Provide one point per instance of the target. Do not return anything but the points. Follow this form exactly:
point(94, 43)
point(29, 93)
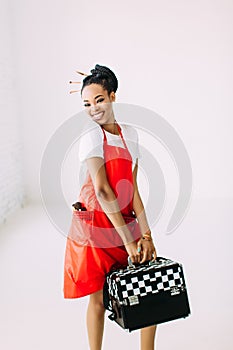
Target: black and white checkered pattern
point(145, 280)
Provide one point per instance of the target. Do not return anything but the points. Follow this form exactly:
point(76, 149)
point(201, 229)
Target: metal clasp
point(130, 264)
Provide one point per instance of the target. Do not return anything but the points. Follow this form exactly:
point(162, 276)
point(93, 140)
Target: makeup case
point(146, 294)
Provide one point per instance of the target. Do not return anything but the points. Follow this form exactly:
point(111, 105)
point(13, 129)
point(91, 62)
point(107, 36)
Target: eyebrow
point(95, 98)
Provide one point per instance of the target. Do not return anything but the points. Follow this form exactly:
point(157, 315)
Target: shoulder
point(91, 143)
point(92, 135)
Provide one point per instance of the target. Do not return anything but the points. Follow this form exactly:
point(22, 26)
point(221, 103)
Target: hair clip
point(86, 75)
point(75, 82)
point(72, 91)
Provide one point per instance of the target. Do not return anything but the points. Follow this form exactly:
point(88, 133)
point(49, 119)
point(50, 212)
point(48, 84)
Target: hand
point(132, 250)
point(147, 250)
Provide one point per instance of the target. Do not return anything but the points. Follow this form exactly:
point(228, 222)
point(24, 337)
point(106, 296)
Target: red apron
point(92, 251)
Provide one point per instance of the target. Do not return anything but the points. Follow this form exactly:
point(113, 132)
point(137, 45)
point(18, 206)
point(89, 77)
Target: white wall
point(174, 57)
point(12, 191)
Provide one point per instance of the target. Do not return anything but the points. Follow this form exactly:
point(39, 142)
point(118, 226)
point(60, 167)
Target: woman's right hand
point(131, 249)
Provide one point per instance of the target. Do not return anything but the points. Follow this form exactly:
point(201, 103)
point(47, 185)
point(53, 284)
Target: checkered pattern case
point(158, 288)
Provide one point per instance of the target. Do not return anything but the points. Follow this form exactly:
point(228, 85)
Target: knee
point(96, 301)
point(98, 306)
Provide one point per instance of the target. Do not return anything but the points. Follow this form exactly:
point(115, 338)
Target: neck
point(111, 127)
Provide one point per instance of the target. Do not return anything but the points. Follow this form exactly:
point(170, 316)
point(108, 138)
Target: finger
point(145, 257)
point(139, 246)
point(135, 258)
point(132, 259)
point(138, 257)
point(154, 255)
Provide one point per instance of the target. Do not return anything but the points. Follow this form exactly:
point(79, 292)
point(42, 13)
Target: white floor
point(35, 316)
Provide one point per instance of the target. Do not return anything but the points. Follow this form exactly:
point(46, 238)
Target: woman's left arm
point(145, 245)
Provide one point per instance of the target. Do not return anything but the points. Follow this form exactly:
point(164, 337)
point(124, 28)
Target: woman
point(111, 191)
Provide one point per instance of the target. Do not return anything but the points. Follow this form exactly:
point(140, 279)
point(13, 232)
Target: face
point(98, 104)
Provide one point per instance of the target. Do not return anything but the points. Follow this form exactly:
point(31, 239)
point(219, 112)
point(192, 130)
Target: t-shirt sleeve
point(137, 147)
point(91, 145)
point(134, 142)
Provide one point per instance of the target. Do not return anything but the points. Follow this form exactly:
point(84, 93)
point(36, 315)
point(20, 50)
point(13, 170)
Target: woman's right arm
point(108, 202)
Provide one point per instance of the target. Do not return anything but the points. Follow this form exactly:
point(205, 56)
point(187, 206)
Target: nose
point(94, 109)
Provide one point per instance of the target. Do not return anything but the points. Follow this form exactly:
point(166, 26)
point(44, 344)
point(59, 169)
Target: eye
point(86, 104)
point(100, 100)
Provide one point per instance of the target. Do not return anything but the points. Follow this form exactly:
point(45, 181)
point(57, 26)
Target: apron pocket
point(82, 226)
point(89, 230)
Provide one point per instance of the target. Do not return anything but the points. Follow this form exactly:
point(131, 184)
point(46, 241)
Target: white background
point(174, 57)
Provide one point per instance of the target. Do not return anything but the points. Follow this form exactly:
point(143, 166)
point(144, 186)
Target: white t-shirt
point(91, 143)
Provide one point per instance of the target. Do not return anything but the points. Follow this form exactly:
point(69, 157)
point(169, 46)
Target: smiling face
point(98, 104)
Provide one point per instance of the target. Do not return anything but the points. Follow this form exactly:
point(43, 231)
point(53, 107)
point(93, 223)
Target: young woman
point(110, 151)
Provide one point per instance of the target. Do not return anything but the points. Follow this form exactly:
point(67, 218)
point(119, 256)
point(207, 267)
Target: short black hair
point(103, 76)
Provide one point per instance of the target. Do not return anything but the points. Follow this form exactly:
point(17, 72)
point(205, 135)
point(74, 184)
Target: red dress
point(90, 254)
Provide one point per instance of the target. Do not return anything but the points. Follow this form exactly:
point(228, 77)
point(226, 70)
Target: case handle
point(130, 264)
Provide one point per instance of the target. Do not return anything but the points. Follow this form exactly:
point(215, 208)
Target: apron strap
point(119, 129)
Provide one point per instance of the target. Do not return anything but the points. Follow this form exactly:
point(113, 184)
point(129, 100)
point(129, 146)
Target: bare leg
point(95, 320)
point(148, 337)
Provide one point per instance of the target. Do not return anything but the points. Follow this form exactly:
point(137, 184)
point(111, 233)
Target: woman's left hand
point(147, 250)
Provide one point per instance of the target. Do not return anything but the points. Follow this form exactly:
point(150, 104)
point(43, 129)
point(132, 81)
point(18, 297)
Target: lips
point(97, 116)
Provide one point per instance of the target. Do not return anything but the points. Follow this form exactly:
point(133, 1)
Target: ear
point(112, 96)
